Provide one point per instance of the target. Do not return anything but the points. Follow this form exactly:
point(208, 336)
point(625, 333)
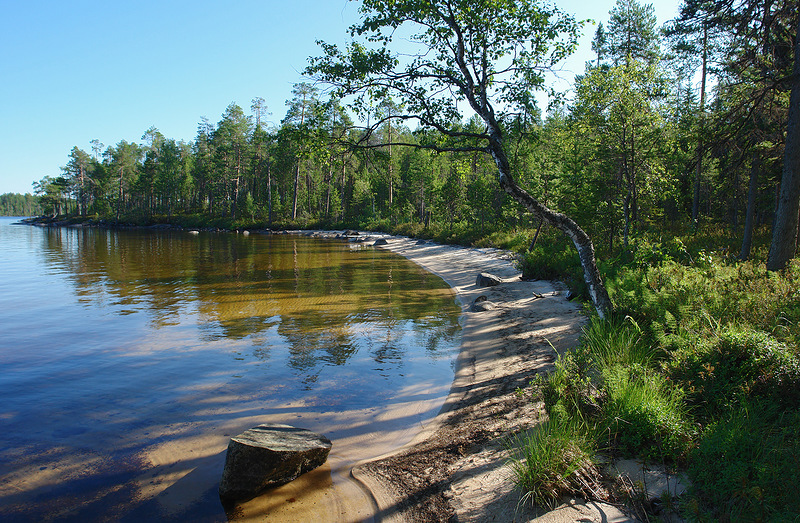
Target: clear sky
point(76, 70)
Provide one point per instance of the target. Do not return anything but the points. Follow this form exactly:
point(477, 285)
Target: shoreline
point(462, 448)
point(454, 468)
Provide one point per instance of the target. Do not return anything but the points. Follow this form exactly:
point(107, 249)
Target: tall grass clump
point(554, 459)
point(607, 393)
point(644, 415)
point(641, 412)
point(616, 341)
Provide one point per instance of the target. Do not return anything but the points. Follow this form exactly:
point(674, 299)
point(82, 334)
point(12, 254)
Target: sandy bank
point(456, 466)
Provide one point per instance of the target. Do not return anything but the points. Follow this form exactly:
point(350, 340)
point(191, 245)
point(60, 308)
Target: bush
point(568, 393)
point(745, 468)
point(736, 365)
point(555, 260)
point(676, 299)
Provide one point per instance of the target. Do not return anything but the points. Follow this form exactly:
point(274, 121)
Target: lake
point(128, 358)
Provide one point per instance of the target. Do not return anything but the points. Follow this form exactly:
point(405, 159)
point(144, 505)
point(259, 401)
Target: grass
point(553, 459)
point(616, 341)
point(644, 416)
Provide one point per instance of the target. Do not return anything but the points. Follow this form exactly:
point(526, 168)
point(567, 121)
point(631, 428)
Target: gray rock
point(380, 241)
point(481, 304)
point(269, 456)
point(655, 481)
point(485, 279)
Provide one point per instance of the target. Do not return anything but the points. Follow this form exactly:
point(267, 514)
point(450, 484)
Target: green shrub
point(410, 229)
point(674, 299)
point(739, 363)
point(555, 260)
point(745, 468)
point(568, 392)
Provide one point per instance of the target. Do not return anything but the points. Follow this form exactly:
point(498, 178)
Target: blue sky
point(76, 70)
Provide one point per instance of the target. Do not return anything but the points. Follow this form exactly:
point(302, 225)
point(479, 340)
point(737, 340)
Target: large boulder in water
point(269, 456)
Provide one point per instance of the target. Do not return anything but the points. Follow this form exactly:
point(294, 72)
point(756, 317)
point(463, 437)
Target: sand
point(456, 468)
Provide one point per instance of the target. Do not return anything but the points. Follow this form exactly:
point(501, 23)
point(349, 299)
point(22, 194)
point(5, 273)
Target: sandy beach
point(456, 468)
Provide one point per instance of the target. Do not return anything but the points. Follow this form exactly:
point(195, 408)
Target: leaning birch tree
point(487, 55)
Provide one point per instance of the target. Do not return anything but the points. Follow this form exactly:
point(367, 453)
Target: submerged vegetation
point(685, 188)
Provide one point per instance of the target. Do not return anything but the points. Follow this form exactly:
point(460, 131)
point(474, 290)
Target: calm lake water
point(128, 358)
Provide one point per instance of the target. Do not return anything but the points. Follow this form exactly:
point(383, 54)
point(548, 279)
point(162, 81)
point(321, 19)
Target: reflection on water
point(128, 358)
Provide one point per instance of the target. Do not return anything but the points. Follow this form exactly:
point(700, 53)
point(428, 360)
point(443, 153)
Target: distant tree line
point(12, 204)
point(680, 125)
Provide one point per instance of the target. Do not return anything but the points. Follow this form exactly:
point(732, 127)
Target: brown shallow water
point(128, 359)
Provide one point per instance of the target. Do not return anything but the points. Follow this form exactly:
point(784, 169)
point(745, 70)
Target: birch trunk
point(581, 240)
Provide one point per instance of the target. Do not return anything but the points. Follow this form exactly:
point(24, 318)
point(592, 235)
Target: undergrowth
point(697, 368)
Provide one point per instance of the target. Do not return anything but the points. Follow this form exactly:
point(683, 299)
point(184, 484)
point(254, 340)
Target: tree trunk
point(784, 232)
point(344, 205)
point(121, 194)
point(391, 175)
point(699, 167)
point(81, 196)
point(269, 194)
point(297, 167)
point(626, 206)
point(329, 183)
point(308, 192)
point(749, 219)
point(296, 183)
point(581, 240)
point(234, 203)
